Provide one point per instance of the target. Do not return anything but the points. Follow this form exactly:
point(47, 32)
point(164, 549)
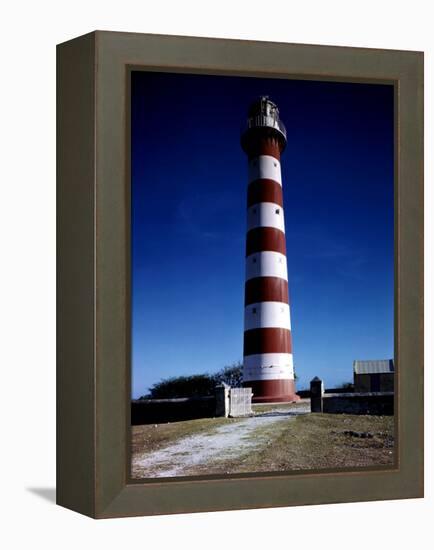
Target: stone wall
point(305, 394)
point(376, 403)
point(226, 402)
point(156, 411)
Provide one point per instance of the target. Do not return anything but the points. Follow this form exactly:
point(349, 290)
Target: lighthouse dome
point(263, 117)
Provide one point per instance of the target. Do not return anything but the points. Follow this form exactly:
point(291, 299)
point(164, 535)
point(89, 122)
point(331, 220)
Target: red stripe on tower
point(268, 362)
point(266, 289)
point(264, 191)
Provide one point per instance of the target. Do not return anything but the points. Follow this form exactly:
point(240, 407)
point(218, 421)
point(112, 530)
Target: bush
point(232, 375)
point(347, 386)
point(196, 385)
point(182, 386)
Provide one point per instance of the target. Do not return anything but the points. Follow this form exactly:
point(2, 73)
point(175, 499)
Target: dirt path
point(199, 452)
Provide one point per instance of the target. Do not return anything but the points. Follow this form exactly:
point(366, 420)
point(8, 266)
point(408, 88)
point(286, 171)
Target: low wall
point(376, 403)
point(305, 394)
point(156, 411)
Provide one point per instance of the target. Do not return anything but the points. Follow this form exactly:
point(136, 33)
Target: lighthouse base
point(272, 391)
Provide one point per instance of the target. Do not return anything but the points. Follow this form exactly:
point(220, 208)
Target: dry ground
point(277, 438)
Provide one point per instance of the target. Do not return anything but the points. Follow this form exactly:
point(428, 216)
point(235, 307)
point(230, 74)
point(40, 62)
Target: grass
point(305, 442)
point(323, 441)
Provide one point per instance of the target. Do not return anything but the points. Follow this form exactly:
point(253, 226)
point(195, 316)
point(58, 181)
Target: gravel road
point(230, 441)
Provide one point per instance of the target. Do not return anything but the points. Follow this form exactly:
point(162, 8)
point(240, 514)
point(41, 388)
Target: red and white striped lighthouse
point(268, 364)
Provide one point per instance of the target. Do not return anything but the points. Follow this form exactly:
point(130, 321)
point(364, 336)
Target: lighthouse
point(268, 363)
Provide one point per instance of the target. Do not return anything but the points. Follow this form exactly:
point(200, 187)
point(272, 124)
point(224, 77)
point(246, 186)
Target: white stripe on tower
point(268, 361)
point(266, 264)
point(267, 314)
point(268, 366)
point(265, 214)
point(264, 167)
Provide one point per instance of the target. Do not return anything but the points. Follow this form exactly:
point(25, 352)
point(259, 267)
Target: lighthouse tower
point(268, 365)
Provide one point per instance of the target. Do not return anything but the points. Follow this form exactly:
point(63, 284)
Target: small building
point(373, 375)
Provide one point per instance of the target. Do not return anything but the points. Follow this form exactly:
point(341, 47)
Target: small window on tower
point(275, 164)
point(253, 310)
point(254, 260)
point(277, 210)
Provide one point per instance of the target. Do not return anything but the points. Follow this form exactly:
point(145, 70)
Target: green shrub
point(196, 385)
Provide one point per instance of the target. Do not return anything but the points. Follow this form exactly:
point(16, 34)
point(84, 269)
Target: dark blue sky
point(189, 179)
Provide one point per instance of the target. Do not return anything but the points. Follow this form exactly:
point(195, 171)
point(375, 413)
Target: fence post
point(222, 400)
point(316, 395)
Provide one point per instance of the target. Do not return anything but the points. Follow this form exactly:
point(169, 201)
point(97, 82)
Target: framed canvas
point(148, 139)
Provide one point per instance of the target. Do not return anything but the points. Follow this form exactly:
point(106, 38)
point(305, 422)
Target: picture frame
point(93, 279)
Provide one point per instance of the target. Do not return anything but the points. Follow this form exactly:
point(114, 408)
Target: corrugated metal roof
point(374, 366)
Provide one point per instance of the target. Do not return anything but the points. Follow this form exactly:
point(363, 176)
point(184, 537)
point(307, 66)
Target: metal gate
point(240, 402)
